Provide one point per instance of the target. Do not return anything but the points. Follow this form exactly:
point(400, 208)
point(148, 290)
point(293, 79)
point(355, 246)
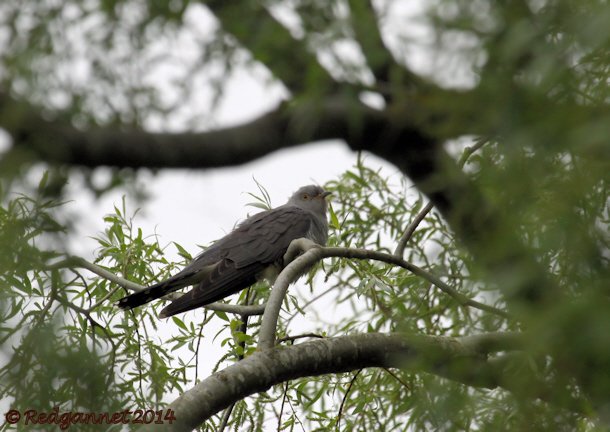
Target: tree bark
point(460, 359)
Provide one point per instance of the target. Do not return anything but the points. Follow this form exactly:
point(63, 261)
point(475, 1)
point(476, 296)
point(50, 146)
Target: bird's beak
point(325, 194)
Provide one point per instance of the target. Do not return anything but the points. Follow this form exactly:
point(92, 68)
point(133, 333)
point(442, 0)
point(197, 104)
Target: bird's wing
point(266, 239)
point(222, 282)
point(254, 245)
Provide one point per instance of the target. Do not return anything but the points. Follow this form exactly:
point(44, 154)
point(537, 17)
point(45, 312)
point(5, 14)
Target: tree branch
point(402, 243)
point(349, 387)
point(315, 253)
point(378, 57)
point(300, 336)
point(368, 35)
point(57, 141)
point(78, 262)
point(271, 43)
point(404, 239)
point(443, 356)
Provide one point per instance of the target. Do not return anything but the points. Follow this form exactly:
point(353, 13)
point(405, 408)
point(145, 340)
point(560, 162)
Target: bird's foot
point(298, 247)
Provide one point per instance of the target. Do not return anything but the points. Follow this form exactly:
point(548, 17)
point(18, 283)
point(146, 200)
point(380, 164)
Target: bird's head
point(312, 198)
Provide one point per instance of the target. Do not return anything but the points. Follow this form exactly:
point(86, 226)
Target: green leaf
point(357, 179)
point(43, 181)
point(183, 252)
point(223, 316)
point(334, 221)
point(179, 323)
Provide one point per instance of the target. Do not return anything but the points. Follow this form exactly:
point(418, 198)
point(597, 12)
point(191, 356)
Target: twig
point(279, 417)
point(226, 415)
point(397, 378)
point(245, 310)
point(243, 328)
point(402, 243)
point(205, 321)
point(47, 306)
point(468, 151)
point(351, 383)
point(74, 261)
point(294, 413)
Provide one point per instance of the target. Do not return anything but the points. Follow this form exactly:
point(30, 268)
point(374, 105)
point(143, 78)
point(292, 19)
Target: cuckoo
point(254, 250)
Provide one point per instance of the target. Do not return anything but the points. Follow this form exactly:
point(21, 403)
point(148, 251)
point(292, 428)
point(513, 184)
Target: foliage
point(533, 82)
point(71, 347)
point(70, 315)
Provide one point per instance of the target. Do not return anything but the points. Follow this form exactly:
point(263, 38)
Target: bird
point(253, 251)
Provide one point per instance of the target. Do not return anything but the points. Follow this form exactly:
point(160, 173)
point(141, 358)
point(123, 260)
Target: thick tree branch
point(378, 57)
point(59, 142)
point(368, 35)
point(56, 141)
point(271, 43)
point(453, 358)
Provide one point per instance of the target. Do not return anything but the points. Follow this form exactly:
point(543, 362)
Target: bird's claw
point(298, 247)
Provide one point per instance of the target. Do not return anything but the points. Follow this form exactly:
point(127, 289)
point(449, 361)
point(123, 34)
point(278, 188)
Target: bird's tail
point(146, 295)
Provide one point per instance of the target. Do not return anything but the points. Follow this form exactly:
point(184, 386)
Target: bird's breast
point(318, 232)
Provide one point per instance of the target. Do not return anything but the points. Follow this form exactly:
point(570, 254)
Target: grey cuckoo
point(251, 252)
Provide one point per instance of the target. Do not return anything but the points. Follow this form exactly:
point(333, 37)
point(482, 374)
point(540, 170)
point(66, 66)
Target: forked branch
point(314, 253)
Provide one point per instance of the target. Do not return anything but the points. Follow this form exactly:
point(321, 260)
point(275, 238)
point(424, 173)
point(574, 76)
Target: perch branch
point(314, 253)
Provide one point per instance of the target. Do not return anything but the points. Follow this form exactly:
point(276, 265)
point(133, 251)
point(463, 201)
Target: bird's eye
point(305, 196)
